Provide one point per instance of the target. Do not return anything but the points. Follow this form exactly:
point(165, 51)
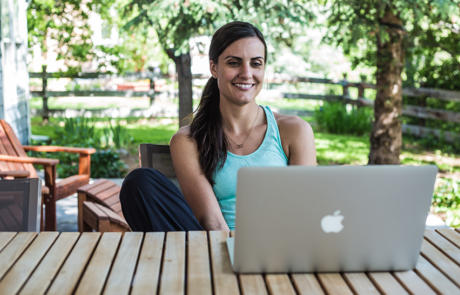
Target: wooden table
point(194, 263)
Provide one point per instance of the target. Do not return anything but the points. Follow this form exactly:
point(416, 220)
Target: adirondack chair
point(13, 157)
point(99, 205)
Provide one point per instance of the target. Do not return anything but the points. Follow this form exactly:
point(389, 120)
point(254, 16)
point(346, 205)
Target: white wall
point(14, 80)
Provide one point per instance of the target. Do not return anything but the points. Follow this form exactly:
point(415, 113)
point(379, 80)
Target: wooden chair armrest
point(29, 160)
point(53, 148)
point(14, 173)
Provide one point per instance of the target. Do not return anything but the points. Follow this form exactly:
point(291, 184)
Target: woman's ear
point(213, 69)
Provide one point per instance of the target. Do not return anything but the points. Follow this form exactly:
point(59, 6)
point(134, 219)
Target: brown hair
point(206, 127)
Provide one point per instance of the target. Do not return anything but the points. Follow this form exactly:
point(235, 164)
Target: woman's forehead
point(249, 47)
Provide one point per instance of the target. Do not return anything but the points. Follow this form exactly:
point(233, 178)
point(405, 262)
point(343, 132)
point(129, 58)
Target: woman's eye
point(233, 63)
point(257, 64)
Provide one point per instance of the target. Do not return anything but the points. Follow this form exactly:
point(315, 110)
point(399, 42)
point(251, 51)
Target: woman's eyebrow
point(239, 58)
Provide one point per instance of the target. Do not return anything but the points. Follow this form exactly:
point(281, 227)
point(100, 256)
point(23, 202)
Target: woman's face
point(240, 70)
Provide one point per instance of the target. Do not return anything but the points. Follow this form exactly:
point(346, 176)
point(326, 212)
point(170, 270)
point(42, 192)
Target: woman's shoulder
point(290, 122)
point(182, 135)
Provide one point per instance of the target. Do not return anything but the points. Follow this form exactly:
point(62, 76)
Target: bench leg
point(81, 226)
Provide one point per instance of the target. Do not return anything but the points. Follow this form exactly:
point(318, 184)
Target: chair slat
point(123, 268)
point(198, 270)
point(69, 275)
point(48, 268)
point(173, 272)
point(224, 279)
point(96, 273)
point(148, 268)
point(23, 268)
point(13, 250)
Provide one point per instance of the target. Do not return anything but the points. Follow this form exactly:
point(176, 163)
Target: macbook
point(330, 218)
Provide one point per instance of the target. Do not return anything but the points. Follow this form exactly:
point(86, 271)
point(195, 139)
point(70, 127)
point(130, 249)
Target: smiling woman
point(229, 131)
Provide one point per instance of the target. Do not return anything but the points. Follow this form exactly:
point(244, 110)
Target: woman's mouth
point(243, 86)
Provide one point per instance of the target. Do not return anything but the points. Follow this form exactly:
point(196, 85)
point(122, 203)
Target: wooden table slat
point(279, 284)
point(445, 264)
point(224, 279)
point(24, 266)
point(5, 237)
point(148, 268)
point(98, 268)
point(307, 284)
point(435, 278)
point(252, 284)
point(172, 280)
point(387, 283)
point(48, 268)
point(334, 283)
point(360, 283)
point(13, 250)
point(123, 268)
point(69, 275)
point(198, 264)
point(447, 247)
point(450, 234)
point(413, 282)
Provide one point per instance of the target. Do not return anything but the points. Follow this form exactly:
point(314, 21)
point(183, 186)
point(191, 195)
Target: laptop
point(330, 218)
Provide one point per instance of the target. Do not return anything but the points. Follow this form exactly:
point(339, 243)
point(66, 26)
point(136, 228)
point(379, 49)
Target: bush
point(446, 199)
point(334, 117)
point(82, 132)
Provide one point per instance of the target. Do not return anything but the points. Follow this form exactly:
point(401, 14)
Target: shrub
point(82, 132)
point(334, 117)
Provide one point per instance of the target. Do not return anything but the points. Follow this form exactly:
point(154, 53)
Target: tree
point(176, 22)
point(66, 23)
point(385, 31)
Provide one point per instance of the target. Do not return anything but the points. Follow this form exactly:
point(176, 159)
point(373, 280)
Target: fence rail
point(420, 112)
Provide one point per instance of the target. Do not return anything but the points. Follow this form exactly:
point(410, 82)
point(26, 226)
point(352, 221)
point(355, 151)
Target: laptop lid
point(331, 218)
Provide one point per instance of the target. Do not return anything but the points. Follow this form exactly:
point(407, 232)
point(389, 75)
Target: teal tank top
point(269, 153)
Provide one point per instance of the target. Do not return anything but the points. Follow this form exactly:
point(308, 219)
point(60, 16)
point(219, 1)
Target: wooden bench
point(106, 194)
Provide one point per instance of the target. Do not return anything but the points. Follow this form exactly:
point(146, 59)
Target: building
point(14, 80)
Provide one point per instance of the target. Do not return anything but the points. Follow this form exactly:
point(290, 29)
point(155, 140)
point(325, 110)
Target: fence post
point(345, 92)
point(360, 93)
point(45, 111)
point(152, 86)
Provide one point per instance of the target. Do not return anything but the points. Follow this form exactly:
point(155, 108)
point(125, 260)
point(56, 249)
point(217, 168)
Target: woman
point(229, 131)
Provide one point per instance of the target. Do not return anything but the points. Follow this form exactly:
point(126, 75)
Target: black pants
point(151, 202)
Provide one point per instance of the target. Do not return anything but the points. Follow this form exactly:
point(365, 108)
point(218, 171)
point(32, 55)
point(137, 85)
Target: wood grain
point(13, 250)
point(198, 264)
point(123, 268)
point(279, 284)
point(360, 283)
point(173, 271)
point(224, 279)
point(307, 284)
point(333, 283)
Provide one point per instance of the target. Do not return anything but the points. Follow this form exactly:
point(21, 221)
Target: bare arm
point(196, 188)
point(297, 139)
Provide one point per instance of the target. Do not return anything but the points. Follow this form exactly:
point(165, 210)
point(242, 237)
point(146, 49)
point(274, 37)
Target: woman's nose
point(245, 71)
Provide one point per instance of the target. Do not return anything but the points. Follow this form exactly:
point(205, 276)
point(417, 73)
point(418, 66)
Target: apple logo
point(332, 223)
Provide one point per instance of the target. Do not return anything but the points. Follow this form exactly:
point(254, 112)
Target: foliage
point(336, 117)
point(446, 199)
point(82, 132)
point(63, 26)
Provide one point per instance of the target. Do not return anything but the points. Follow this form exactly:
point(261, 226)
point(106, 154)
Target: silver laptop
point(331, 218)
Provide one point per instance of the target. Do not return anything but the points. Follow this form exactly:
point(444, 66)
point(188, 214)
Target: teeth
point(244, 86)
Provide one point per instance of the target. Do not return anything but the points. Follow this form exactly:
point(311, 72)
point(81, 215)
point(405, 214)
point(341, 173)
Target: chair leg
point(81, 199)
point(50, 215)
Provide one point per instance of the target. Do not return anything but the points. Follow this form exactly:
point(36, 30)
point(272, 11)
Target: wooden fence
point(408, 110)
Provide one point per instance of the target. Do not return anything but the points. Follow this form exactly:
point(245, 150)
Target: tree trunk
point(386, 136)
point(184, 76)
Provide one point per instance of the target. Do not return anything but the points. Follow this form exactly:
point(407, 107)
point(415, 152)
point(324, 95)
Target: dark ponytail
point(206, 127)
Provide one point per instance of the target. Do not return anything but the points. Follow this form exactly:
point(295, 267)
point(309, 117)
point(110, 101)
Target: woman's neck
point(239, 119)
